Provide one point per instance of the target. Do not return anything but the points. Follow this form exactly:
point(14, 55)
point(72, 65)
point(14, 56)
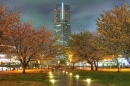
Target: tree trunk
point(118, 66)
point(24, 67)
point(24, 70)
point(92, 66)
point(73, 66)
point(96, 65)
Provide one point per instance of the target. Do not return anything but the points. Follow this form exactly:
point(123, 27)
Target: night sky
point(84, 13)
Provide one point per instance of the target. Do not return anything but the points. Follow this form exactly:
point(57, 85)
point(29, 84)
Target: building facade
point(62, 26)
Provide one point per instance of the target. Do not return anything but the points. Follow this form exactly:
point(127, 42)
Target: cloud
point(83, 12)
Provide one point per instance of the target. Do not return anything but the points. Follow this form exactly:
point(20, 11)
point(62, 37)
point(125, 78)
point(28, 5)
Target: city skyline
point(83, 12)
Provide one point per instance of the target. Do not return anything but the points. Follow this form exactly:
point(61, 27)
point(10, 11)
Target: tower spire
point(62, 10)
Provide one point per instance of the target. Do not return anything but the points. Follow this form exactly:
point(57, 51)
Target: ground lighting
point(66, 72)
point(70, 73)
point(88, 80)
point(77, 76)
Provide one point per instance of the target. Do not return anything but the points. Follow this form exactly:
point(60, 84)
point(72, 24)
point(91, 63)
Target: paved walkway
point(65, 79)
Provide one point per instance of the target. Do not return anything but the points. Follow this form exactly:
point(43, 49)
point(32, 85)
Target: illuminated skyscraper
point(62, 23)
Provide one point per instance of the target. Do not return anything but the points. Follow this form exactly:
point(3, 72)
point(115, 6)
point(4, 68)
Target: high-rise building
point(62, 23)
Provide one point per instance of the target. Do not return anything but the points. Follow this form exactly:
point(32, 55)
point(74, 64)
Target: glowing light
point(88, 80)
point(70, 57)
point(67, 63)
point(63, 71)
point(70, 73)
point(58, 62)
point(77, 76)
point(52, 80)
point(66, 72)
point(2, 55)
point(50, 73)
point(51, 76)
point(62, 10)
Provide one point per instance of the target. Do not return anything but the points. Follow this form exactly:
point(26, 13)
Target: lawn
point(29, 79)
point(41, 78)
point(106, 78)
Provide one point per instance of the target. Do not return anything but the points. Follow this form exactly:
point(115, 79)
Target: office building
point(62, 23)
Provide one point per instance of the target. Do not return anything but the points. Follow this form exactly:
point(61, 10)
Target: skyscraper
point(62, 23)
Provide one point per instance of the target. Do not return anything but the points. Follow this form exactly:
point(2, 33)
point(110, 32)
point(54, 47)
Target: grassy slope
point(107, 78)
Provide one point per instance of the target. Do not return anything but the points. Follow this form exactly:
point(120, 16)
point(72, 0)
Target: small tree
point(81, 47)
point(72, 57)
point(100, 51)
point(88, 46)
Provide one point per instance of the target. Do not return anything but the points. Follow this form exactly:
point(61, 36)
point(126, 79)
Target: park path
point(65, 79)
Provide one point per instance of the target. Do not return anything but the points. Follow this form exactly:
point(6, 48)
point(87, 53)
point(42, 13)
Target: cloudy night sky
point(84, 13)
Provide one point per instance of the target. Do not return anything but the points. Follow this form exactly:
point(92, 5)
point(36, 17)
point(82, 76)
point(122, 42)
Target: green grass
point(29, 79)
point(106, 78)
point(41, 79)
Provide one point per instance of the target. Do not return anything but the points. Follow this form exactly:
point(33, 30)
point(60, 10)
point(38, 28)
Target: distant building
point(62, 23)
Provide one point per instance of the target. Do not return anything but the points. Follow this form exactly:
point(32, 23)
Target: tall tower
point(62, 23)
